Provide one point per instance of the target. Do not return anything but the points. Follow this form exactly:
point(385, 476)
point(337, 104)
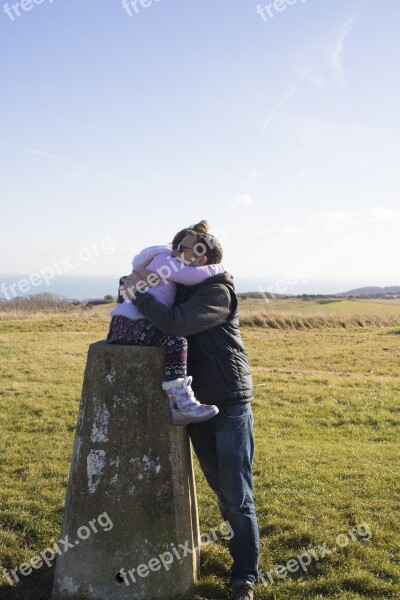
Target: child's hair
point(213, 249)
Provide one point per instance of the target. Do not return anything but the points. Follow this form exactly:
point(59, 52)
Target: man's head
point(196, 246)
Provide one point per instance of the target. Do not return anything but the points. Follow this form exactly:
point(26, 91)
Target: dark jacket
point(207, 315)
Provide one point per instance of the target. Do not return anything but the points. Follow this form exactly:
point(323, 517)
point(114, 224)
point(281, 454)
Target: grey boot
point(183, 405)
point(242, 590)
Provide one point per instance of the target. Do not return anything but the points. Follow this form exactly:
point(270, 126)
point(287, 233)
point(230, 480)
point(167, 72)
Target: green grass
point(327, 306)
point(328, 313)
point(327, 420)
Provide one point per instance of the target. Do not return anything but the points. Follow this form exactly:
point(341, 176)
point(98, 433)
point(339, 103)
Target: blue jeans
point(224, 446)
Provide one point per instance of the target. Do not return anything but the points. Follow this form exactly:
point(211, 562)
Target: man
point(206, 314)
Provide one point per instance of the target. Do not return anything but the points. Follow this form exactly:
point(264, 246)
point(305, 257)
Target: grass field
point(326, 470)
point(327, 306)
point(327, 313)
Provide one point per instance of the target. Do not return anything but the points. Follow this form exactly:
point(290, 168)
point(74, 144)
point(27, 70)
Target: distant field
point(315, 314)
point(342, 307)
point(291, 306)
point(327, 425)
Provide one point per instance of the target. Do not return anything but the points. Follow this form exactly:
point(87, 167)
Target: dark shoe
point(120, 297)
point(242, 590)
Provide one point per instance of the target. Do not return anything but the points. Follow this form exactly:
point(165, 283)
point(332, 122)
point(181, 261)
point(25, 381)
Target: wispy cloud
point(78, 171)
point(244, 200)
point(336, 55)
point(87, 126)
point(372, 216)
point(306, 74)
point(226, 176)
point(75, 122)
point(250, 177)
point(166, 179)
point(306, 172)
point(309, 73)
point(279, 232)
point(315, 126)
point(354, 243)
point(123, 180)
point(37, 152)
point(278, 107)
point(316, 226)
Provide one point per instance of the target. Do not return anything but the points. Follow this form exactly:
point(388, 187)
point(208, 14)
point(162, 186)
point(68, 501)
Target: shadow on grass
point(214, 575)
point(213, 584)
point(207, 590)
point(37, 586)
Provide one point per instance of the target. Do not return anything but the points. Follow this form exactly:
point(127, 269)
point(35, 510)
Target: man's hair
point(209, 246)
point(200, 227)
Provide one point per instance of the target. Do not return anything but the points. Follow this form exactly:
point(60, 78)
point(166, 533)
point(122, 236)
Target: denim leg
point(235, 449)
point(202, 436)
point(224, 446)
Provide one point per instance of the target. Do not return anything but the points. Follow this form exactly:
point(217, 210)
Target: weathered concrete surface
point(134, 468)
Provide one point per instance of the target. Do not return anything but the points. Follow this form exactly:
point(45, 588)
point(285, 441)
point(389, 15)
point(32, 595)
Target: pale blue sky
point(283, 133)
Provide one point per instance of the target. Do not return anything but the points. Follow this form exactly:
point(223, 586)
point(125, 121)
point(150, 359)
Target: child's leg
point(183, 405)
point(175, 349)
point(120, 330)
point(143, 333)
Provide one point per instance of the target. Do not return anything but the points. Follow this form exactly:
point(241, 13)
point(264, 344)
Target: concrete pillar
point(132, 472)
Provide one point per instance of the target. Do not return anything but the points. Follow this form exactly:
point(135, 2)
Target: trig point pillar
point(130, 526)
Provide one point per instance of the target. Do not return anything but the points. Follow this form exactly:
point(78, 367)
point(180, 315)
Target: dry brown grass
point(316, 321)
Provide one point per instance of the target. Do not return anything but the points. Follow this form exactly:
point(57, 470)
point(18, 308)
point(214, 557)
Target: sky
point(277, 122)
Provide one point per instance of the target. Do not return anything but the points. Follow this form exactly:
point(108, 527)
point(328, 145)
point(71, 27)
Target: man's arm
point(206, 309)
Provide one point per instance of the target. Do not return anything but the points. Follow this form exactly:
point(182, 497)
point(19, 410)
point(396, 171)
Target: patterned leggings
point(143, 333)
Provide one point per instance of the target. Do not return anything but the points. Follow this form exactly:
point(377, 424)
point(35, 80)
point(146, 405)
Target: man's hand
point(139, 280)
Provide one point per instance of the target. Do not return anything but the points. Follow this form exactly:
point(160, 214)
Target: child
point(128, 326)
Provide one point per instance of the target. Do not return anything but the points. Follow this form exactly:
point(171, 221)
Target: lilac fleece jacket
point(171, 272)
